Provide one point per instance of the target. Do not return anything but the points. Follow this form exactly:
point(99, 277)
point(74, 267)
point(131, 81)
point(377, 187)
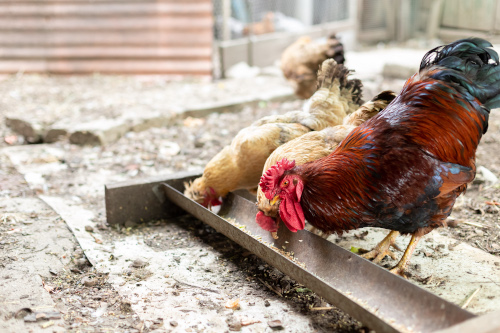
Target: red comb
point(271, 177)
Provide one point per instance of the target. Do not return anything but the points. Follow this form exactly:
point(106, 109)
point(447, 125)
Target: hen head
point(205, 196)
point(281, 185)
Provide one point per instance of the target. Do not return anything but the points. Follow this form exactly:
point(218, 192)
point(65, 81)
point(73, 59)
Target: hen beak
point(275, 199)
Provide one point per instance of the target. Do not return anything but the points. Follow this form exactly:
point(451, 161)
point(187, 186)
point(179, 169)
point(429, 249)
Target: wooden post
point(304, 11)
point(226, 14)
point(434, 19)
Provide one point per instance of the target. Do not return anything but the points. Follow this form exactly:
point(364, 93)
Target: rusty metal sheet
point(56, 33)
point(381, 300)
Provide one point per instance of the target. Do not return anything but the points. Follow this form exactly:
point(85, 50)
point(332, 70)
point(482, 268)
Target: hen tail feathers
point(335, 49)
point(331, 70)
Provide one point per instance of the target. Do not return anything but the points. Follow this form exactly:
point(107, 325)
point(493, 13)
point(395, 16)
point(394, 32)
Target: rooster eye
point(285, 183)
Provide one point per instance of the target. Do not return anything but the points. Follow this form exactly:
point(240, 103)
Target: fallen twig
point(194, 286)
point(469, 298)
point(492, 281)
point(270, 287)
point(321, 308)
point(46, 246)
point(474, 224)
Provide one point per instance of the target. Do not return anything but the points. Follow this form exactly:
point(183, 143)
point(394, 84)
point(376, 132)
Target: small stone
point(102, 226)
point(138, 263)
point(89, 282)
point(233, 323)
point(54, 134)
point(82, 262)
point(266, 303)
point(30, 130)
point(479, 232)
point(78, 253)
point(497, 263)
point(479, 211)
point(125, 306)
point(173, 323)
point(177, 259)
point(453, 223)
point(89, 228)
point(233, 304)
point(275, 324)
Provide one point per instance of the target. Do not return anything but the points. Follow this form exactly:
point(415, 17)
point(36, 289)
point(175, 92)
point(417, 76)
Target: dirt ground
point(88, 301)
point(85, 299)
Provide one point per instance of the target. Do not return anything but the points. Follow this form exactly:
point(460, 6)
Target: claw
point(382, 249)
point(399, 271)
point(377, 255)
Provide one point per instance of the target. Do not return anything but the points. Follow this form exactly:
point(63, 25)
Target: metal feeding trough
point(379, 299)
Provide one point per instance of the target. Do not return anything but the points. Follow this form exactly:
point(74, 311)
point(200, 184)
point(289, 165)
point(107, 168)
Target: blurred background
point(96, 92)
point(207, 37)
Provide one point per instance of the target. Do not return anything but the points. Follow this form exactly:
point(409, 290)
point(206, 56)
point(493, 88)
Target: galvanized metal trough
point(381, 300)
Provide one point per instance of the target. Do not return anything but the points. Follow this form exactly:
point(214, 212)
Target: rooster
point(404, 168)
point(312, 146)
point(301, 60)
point(239, 165)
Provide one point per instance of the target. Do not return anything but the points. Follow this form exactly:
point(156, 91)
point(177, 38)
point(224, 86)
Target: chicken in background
point(403, 169)
point(301, 60)
point(265, 26)
point(312, 146)
point(239, 165)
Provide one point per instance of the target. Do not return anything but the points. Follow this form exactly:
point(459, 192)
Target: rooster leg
point(401, 266)
point(382, 248)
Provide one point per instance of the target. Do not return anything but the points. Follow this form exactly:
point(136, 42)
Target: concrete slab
point(24, 265)
point(134, 105)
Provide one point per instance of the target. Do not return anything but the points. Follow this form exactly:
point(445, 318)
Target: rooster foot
point(399, 271)
point(382, 249)
point(377, 255)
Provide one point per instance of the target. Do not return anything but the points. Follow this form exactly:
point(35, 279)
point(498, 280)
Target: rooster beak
point(275, 199)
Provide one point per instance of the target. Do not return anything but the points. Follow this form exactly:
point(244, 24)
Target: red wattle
point(292, 215)
point(266, 222)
